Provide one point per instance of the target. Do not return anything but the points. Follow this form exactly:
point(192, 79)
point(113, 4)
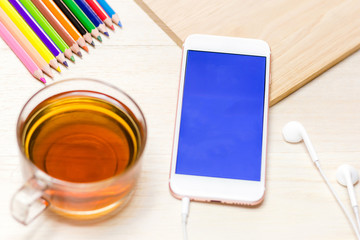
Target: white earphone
point(295, 132)
point(347, 176)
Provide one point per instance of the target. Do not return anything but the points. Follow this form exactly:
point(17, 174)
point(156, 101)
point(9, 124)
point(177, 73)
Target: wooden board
point(306, 37)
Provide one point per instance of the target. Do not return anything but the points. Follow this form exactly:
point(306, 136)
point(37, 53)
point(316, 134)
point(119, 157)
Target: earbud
point(347, 176)
point(294, 132)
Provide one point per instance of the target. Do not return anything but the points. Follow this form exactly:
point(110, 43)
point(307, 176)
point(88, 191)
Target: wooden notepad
point(306, 37)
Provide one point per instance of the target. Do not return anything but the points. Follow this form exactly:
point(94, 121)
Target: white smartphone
point(220, 140)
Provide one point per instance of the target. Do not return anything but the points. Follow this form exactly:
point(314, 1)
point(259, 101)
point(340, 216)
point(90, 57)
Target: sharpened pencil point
point(58, 69)
point(66, 64)
point(79, 54)
point(46, 69)
point(92, 43)
point(72, 58)
point(43, 80)
point(112, 27)
point(86, 48)
point(119, 23)
point(107, 34)
point(99, 38)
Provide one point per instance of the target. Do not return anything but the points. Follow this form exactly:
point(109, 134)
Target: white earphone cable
point(184, 215)
point(338, 200)
point(356, 212)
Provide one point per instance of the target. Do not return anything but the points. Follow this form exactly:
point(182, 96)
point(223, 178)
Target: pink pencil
point(21, 54)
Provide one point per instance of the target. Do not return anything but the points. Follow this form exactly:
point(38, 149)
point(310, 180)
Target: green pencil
point(46, 26)
point(81, 16)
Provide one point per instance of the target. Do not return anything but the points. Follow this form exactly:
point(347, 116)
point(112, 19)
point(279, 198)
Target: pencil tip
point(58, 69)
point(47, 71)
point(107, 34)
point(79, 54)
point(66, 64)
point(86, 48)
point(92, 43)
point(72, 58)
point(119, 23)
point(43, 79)
point(99, 38)
point(112, 27)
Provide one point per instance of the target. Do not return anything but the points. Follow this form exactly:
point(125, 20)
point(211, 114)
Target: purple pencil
point(39, 31)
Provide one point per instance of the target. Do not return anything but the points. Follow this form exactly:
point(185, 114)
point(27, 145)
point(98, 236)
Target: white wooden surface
point(144, 62)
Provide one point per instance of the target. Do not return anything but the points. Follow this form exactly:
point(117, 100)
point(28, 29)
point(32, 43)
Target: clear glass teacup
point(81, 143)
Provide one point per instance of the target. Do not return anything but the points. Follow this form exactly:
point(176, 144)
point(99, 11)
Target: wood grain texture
point(306, 37)
point(144, 62)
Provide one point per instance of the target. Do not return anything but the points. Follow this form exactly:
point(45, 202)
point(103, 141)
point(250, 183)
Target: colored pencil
point(21, 53)
point(113, 15)
point(57, 26)
point(80, 15)
point(92, 16)
point(48, 28)
point(25, 44)
point(29, 34)
point(101, 13)
point(70, 16)
point(65, 22)
point(39, 31)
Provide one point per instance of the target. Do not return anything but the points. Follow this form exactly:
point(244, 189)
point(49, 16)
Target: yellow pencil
point(29, 34)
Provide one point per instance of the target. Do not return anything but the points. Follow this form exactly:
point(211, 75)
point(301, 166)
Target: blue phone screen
point(222, 116)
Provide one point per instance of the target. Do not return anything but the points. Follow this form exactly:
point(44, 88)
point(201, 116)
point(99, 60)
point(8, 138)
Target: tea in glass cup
point(81, 143)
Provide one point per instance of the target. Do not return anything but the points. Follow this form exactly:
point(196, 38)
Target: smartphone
point(220, 140)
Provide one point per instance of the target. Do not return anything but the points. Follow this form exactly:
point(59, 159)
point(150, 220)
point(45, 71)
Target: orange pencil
point(65, 22)
point(57, 26)
point(25, 43)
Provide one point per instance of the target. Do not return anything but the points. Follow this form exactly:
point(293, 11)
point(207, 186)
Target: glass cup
point(81, 143)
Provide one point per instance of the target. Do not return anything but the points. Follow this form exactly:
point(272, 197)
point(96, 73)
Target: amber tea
point(84, 137)
point(81, 143)
point(81, 137)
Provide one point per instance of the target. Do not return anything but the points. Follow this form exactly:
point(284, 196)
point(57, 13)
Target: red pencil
point(101, 13)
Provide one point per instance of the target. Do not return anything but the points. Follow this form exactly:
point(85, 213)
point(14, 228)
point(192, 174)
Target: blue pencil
point(39, 31)
point(114, 17)
point(92, 16)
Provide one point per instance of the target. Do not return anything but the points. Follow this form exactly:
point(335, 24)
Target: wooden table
point(144, 62)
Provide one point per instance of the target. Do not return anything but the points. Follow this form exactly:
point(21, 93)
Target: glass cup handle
point(27, 203)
